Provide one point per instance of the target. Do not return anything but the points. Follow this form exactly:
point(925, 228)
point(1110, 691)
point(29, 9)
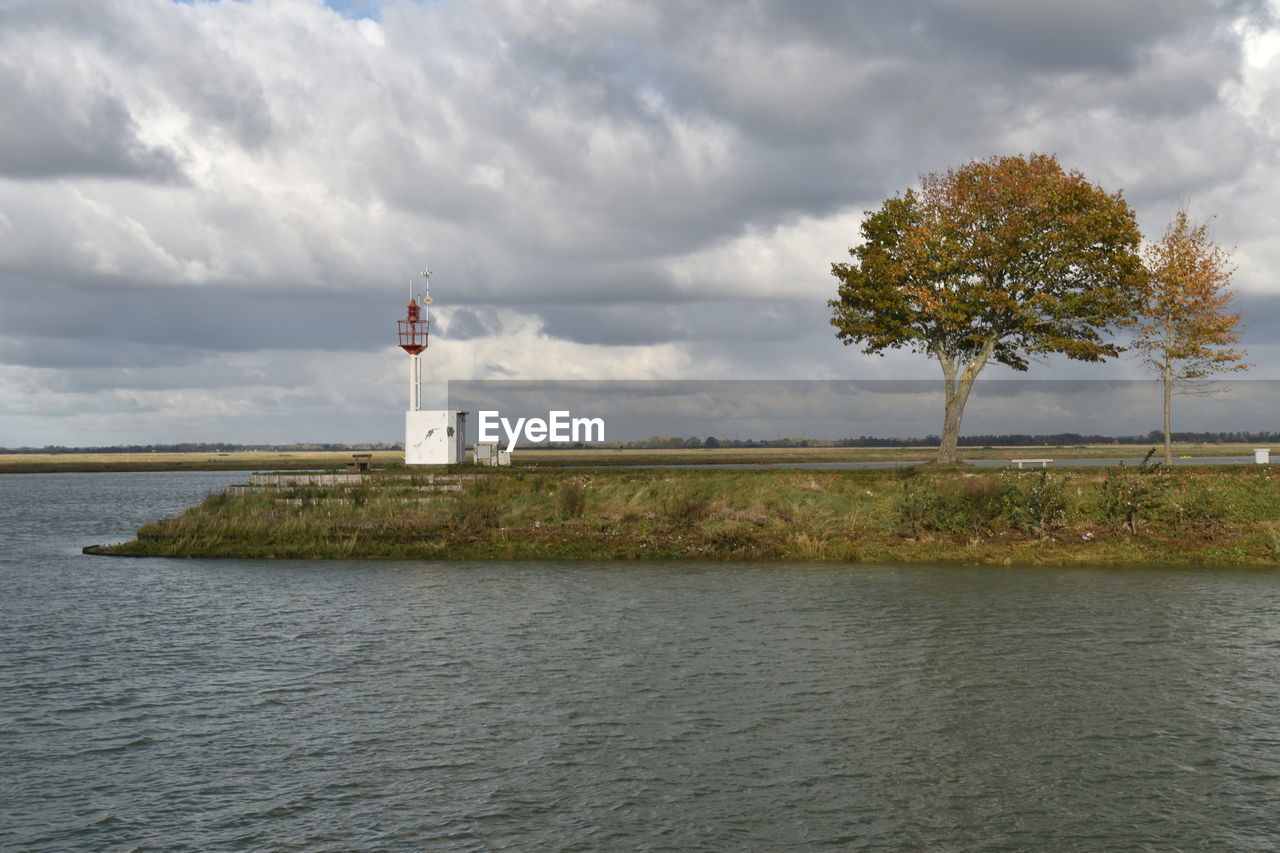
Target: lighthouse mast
point(413, 331)
point(432, 437)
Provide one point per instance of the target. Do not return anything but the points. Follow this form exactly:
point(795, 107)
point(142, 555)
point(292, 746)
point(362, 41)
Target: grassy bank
point(1190, 516)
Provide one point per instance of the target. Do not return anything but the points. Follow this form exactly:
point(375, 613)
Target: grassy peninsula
point(1204, 515)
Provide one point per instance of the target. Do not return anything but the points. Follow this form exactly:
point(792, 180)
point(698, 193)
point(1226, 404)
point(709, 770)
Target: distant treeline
point(1070, 438)
point(667, 442)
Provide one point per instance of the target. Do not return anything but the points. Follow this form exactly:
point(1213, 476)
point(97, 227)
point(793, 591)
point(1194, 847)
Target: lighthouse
point(430, 437)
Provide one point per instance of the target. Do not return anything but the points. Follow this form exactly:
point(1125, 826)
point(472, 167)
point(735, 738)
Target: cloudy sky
point(210, 211)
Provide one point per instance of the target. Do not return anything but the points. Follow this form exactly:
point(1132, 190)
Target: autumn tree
point(1000, 260)
point(1187, 327)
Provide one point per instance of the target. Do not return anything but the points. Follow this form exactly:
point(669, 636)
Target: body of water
point(1091, 462)
point(255, 705)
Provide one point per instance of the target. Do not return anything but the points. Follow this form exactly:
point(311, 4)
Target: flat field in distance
point(765, 455)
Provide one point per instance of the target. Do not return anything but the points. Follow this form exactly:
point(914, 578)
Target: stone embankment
point(275, 482)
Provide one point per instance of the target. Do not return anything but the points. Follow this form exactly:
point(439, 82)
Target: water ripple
point(192, 705)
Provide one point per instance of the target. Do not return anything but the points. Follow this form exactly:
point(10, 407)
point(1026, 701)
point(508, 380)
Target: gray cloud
point(465, 324)
point(1086, 35)
point(50, 132)
point(756, 321)
point(152, 326)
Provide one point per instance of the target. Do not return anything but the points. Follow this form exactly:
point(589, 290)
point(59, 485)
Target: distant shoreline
point(44, 463)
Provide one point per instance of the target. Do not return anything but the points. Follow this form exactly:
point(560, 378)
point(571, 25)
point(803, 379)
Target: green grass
point(1088, 516)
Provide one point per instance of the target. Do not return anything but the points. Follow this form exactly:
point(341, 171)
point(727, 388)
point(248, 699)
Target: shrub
point(686, 508)
point(571, 499)
point(1200, 507)
point(920, 508)
point(1130, 495)
point(978, 505)
point(974, 505)
point(1036, 503)
point(1273, 540)
point(477, 508)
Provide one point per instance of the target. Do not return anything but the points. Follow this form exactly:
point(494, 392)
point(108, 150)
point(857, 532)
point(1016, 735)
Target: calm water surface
point(1029, 453)
point(245, 705)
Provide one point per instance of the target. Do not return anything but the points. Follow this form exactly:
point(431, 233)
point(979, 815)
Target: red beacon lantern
point(413, 328)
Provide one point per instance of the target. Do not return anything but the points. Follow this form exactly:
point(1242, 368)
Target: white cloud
point(785, 261)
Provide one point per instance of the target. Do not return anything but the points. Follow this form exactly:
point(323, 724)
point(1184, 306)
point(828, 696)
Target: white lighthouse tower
point(430, 437)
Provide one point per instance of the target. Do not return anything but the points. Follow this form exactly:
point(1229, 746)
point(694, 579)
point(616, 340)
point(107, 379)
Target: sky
point(211, 212)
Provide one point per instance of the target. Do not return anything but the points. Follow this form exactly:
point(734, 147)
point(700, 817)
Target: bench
point(1043, 463)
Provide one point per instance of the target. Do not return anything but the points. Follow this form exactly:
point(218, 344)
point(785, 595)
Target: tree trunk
point(1168, 400)
point(951, 422)
point(958, 384)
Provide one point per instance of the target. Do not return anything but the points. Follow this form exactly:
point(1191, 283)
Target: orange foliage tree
point(1187, 326)
point(1000, 260)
